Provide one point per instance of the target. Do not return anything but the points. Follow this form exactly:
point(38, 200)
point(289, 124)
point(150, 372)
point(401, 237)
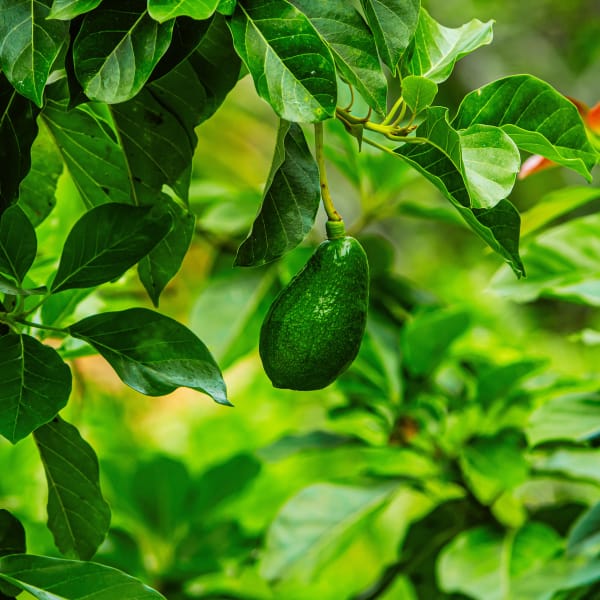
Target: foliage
point(445, 470)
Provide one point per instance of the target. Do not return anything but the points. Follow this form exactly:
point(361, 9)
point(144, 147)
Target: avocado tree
point(111, 93)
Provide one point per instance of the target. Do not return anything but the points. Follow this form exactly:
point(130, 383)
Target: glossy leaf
point(290, 203)
point(352, 45)
point(78, 515)
point(152, 353)
point(536, 116)
point(393, 23)
point(418, 92)
point(163, 10)
point(36, 385)
point(435, 49)
point(69, 9)
point(18, 243)
point(292, 68)
point(12, 534)
point(116, 50)
point(18, 130)
point(29, 45)
point(57, 579)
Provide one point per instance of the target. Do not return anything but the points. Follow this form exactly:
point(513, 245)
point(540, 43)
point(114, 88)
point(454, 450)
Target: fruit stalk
point(332, 213)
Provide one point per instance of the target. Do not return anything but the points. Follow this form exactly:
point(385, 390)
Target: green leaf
point(116, 50)
point(290, 203)
point(18, 243)
point(574, 417)
point(418, 92)
point(8, 286)
point(18, 130)
point(393, 23)
point(292, 68)
point(57, 308)
point(30, 45)
point(584, 538)
point(57, 579)
point(152, 353)
point(316, 524)
point(352, 45)
point(435, 49)
point(163, 10)
point(36, 385)
point(78, 515)
point(12, 534)
point(536, 116)
point(105, 242)
point(69, 9)
point(226, 7)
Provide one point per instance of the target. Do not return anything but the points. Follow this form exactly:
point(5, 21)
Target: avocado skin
point(314, 327)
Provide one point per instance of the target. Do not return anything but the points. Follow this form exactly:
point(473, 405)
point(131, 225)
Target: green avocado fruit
point(314, 327)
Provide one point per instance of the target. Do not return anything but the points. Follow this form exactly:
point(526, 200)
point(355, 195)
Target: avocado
point(313, 330)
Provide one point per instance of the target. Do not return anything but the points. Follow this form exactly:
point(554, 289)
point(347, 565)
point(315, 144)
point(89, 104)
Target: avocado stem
point(332, 213)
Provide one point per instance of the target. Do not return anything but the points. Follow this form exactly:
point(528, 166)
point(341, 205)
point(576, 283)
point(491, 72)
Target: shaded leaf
point(116, 50)
point(8, 286)
point(163, 10)
point(105, 242)
point(152, 353)
point(18, 243)
point(536, 116)
point(57, 579)
point(290, 203)
point(435, 49)
point(36, 385)
point(78, 515)
point(12, 534)
point(30, 45)
point(393, 23)
point(352, 45)
point(418, 92)
point(292, 68)
point(69, 9)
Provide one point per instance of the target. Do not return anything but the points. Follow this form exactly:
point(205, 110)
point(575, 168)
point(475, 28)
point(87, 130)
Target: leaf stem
point(332, 213)
point(390, 116)
point(59, 330)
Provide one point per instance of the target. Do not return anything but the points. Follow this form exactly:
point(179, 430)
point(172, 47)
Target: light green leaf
point(18, 243)
point(290, 204)
point(435, 49)
point(57, 579)
point(352, 45)
point(393, 23)
point(152, 353)
point(537, 118)
point(292, 68)
point(66, 10)
point(29, 45)
point(584, 537)
point(36, 385)
point(163, 10)
point(418, 92)
point(78, 515)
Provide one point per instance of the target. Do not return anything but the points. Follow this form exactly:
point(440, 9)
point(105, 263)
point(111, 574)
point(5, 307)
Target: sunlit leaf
point(69, 9)
point(418, 92)
point(163, 10)
point(18, 243)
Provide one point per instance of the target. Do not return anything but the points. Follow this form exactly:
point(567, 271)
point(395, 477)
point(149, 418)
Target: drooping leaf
point(12, 534)
point(418, 92)
point(292, 68)
point(106, 241)
point(435, 49)
point(29, 45)
point(57, 579)
point(152, 353)
point(352, 45)
point(78, 515)
point(117, 48)
point(18, 130)
point(163, 10)
point(36, 385)
point(393, 23)
point(290, 203)
point(69, 9)
point(18, 243)
point(537, 118)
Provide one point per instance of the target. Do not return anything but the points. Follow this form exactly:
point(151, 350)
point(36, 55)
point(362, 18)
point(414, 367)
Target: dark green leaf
point(536, 116)
point(18, 244)
point(57, 579)
point(36, 385)
point(18, 130)
point(290, 204)
point(12, 534)
point(117, 48)
point(292, 68)
point(69, 9)
point(435, 49)
point(152, 353)
point(30, 44)
point(418, 92)
point(163, 10)
point(8, 286)
point(105, 242)
point(78, 515)
point(393, 23)
point(352, 45)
